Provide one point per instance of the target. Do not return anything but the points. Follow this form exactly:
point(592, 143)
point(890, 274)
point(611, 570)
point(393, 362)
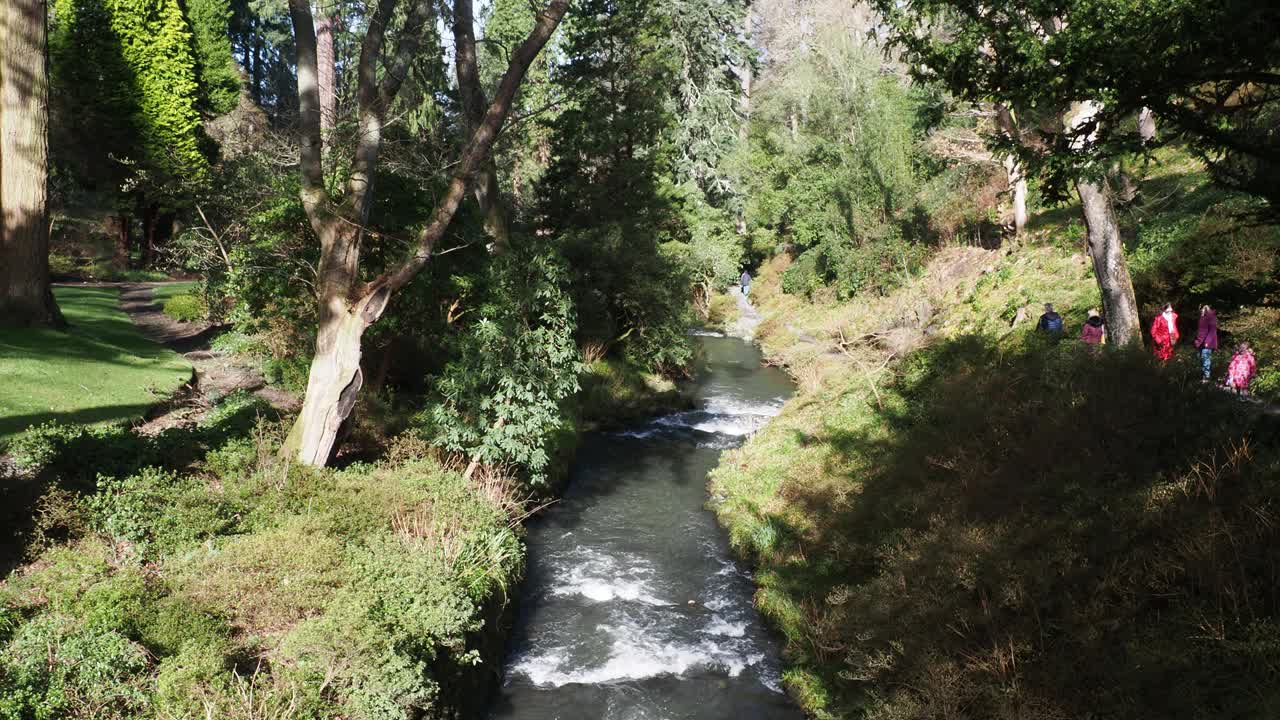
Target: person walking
point(1207, 338)
point(1241, 370)
point(1164, 333)
point(745, 281)
point(1050, 321)
point(1093, 332)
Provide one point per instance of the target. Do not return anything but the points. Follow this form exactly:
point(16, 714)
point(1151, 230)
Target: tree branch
point(482, 140)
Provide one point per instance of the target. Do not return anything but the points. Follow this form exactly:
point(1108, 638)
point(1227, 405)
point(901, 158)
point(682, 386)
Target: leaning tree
point(348, 303)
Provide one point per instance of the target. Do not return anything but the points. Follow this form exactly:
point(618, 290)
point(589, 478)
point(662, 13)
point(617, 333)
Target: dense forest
point(305, 307)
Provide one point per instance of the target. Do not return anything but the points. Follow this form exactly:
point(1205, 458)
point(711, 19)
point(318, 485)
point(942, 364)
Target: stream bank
point(633, 606)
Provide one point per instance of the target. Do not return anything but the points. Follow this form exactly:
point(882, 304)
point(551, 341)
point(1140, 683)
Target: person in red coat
point(1164, 333)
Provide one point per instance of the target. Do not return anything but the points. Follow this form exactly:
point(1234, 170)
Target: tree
point(1013, 54)
point(25, 296)
point(348, 304)
point(216, 70)
point(471, 94)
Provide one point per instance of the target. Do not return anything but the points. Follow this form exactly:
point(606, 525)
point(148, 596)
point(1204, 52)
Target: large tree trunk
point(26, 298)
point(150, 216)
point(335, 379)
point(123, 225)
point(1109, 266)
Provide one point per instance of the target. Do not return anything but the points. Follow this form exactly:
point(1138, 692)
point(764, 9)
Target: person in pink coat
point(1241, 370)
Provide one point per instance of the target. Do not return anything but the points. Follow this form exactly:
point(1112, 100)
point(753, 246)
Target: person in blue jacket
point(745, 281)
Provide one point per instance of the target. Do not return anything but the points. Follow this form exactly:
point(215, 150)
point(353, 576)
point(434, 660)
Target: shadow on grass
point(71, 457)
point(1053, 533)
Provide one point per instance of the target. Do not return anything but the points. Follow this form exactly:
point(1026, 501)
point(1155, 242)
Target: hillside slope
point(957, 518)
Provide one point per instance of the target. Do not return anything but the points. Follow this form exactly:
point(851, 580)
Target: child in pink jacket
point(1241, 370)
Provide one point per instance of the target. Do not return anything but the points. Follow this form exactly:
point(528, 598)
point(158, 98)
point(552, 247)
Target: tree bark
point(488, 195)
point(1013, 170)
point(124, 241)
point(1106, 249)
point(150, 216)
point(348, 306)
point(26, 298)
point(326, 76)
point(1105, 246)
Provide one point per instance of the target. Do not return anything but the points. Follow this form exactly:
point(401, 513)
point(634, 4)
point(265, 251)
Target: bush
point(186, 308)
point(802, 276)
point(56, 668)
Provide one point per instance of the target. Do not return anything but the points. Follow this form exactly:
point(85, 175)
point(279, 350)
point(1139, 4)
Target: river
point(633, 607)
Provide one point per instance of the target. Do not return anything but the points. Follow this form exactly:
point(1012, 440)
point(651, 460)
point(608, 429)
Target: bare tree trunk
point(1109, 267)
point(744, 111)
point(1146, 125)
point(150, 215)
point(124, 241)
point(348, 306)
point(1013, 170)
point(326, 75)
point(26, 298)
point(1105, 245)
point(488, 195)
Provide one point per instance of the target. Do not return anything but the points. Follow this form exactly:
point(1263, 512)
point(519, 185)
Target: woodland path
point(216, 375)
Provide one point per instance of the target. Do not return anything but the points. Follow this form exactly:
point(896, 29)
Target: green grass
point(168, 291)
point(615, 393)
point(100, 370)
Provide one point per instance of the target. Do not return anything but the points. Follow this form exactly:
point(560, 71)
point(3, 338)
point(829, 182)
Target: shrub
point(159, 511)
point(802, 276)
point(186, 308)
point(54, 667)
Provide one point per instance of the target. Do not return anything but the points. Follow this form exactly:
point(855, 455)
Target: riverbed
point(633, 607)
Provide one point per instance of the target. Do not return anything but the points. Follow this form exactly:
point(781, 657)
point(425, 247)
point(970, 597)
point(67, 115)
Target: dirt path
point(216, 374)
point(748, 317)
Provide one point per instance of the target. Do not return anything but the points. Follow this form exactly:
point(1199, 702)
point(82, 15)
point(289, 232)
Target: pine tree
point(217, 73)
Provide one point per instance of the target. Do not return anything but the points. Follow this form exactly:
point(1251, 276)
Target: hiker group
point(1164, 336)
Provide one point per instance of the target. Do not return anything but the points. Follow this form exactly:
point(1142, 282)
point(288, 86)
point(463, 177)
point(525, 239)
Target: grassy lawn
point(100, 370)
point(161, 293)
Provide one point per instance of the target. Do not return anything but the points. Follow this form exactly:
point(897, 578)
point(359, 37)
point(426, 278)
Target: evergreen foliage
point(216, 69)
point(126, 93)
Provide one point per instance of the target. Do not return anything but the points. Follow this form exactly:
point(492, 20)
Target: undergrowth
point(232, 585)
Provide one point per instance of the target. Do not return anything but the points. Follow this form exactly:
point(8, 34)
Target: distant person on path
point(1093, 332)
point(1164, 333)
point(745, 281)
point(1241, 370)
point(1050, 321)
point(1207, 338)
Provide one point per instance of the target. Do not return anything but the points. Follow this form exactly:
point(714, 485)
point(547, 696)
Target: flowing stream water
point(633, 607)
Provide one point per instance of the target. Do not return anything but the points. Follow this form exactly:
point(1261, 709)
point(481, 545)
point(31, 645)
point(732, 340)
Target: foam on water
point(636, 654)
point(596, 576)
